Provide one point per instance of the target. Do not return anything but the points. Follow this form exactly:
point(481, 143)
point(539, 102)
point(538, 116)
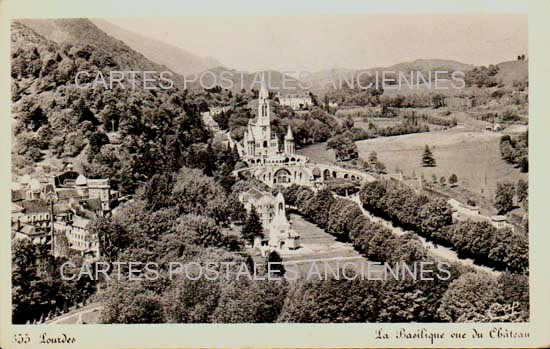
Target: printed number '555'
point(21, 338)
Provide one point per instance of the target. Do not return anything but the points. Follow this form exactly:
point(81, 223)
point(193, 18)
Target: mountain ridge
point(173, 57)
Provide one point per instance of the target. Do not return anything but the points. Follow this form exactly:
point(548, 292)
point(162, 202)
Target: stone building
point(275, 165)
point(296, 101)
point(278, 233)
point(76, 200)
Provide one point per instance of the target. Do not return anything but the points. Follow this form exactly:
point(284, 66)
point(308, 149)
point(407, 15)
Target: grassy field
point(474, 156)
point(322, 249)
point(378, 122)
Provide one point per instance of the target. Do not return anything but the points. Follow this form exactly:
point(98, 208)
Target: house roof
point(35, 206)
point(30, 230)
point(80, 222)
point(81, 180)
point(15, 208)
point(67, 194)
point(17, 195)
point(498, 218)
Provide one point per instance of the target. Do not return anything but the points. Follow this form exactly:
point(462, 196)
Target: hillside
point(82, 31)
point(175, 58)
point(425, 65)
point(511, 71)
point(321, 79)
point(55, 121)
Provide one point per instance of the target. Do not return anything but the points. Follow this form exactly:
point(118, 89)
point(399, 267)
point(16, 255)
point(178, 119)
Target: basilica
point(260, 145)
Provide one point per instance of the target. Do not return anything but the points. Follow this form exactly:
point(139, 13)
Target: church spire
point(264, 94)
point(289, 135)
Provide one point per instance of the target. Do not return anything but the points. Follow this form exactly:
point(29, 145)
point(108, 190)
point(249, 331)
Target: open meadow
point(474, 156)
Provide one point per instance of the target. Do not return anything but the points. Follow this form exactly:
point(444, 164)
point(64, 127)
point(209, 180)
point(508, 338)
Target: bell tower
point(289, 142)
point(264, 113)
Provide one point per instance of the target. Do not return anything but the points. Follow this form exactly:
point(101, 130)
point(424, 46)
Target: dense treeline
point(482, 76)
point(432, 218)
point(437, 120)
point(404, 299)
point(167, 223)
point(345, 220)
point(470, 296)
point(406, 127)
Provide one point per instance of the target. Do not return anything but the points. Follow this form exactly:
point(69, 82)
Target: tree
point(252, 227)
point(97, 140)
point(373, 157)
point(504, 197)
point(343, 146)
point(274, 264)
point(438, 101)
point(442, 180)
point(427, 157)
point(331, 301)
point(247, 301)
point(453, 179)
point(380, 167)
point(469, 298)
point(522, 190)
point(127, 302)
point(198, 230)
point(348, 123)
point(319, 206)
point(434, 215)
point(191, 301)
point(112, 237)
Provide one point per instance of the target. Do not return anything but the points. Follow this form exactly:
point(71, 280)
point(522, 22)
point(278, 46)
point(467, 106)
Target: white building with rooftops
point(278, 233)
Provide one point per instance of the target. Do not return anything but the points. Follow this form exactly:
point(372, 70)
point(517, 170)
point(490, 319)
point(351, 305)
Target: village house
point(500, 222)
point(295, 101)
point(71, 197)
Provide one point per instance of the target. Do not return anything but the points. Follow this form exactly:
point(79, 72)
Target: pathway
point(434, 250)
point(75, 317)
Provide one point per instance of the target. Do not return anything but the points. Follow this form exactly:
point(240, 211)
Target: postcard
point(273, 175)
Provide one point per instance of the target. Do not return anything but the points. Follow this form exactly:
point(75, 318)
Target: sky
point(311, 43)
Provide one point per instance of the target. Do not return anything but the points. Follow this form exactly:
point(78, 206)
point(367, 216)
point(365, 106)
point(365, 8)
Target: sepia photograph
point(275, 169)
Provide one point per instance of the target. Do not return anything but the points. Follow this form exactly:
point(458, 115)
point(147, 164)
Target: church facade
point(260, 145)
point(276, 164)
point(278, 233)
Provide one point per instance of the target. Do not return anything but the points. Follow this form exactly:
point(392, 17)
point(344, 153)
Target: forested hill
point(54, 119)
point(82, 31)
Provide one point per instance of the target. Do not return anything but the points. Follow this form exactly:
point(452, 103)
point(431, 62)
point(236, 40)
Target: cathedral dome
point(81, 180)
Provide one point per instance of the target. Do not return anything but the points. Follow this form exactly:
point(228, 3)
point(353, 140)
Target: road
point(75, 317)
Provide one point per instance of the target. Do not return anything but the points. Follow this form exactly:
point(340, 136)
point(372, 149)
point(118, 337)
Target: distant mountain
point(425, 65)
point(236, 80)
point(323, 78)
point(175, 58)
